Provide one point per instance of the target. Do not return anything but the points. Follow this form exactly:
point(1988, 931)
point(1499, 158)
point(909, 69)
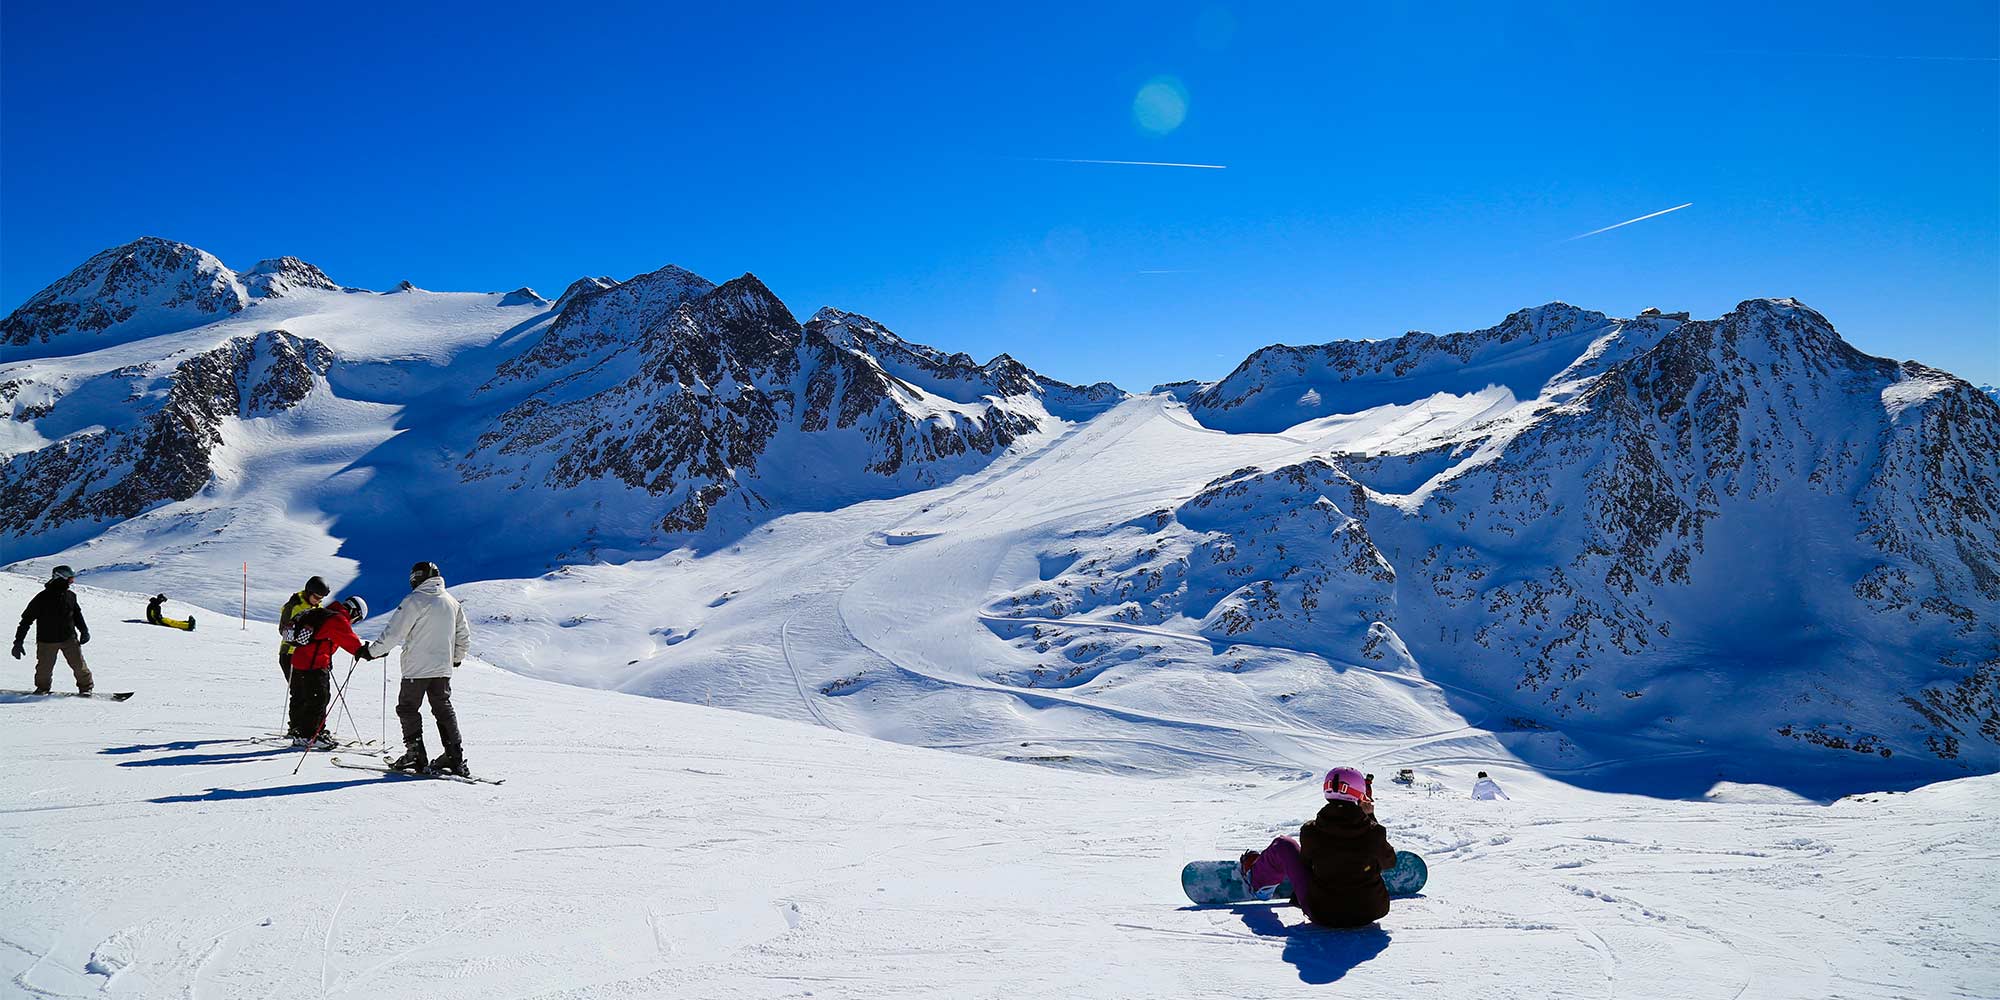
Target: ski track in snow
point(646, 848)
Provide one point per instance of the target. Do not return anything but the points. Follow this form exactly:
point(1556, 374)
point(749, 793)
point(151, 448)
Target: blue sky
point(1390, 167)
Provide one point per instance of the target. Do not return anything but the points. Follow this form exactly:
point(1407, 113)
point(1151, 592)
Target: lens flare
point(1161, 105)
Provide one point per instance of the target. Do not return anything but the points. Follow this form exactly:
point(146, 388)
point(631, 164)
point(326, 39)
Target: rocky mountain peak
point(276, 276)
point(598, 317)
point(581, 287)
point(146, 287)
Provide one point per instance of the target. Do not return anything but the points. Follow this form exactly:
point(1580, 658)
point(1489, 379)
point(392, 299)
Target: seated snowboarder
point(1336, 864)
point(431, 628)
point(155, 616)
point(317, 635)
point(59, 628)
point(1487, 788)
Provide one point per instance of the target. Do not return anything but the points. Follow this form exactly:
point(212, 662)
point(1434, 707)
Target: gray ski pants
point(411, 695)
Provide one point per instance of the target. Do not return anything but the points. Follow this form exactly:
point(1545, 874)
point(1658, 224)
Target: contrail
point(1134, 163)
point(1628, 222)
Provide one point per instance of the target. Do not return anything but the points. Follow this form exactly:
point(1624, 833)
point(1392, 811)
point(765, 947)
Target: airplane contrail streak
point(1135, 163)
point(1628, 222)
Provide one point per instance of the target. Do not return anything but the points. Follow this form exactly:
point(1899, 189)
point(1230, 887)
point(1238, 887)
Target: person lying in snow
point(1336, 864)
point(157, 617)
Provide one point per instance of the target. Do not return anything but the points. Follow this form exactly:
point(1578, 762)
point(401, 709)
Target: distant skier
point(1336, 864)
point(317, 635)
point(59, 628)
point(1487, 788)
point(307, 599)
point(431, 628)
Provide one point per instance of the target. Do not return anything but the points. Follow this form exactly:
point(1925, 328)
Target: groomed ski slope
point(876, 618)
point(645, 848)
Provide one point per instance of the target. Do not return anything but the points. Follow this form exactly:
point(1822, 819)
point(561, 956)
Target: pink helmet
point(1345, 784)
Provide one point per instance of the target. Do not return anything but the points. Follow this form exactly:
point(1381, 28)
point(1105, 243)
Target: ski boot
point(412, 759)
point(324, 741)
point(452, 761)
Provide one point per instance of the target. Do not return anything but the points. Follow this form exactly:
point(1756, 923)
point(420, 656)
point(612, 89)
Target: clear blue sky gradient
point(1390, 167)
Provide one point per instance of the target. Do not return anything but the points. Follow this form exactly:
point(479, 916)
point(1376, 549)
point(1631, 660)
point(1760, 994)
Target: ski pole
point(285, 704)
point(352, 726)
point(322, 719)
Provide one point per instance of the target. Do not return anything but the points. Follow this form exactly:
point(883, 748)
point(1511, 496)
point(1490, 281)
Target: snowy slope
point(1640, 553)
point(642, 848)
point(619, 420)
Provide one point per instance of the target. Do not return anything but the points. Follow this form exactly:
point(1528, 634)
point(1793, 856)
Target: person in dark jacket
point(307, 599)
point(59, 628)
point(1336, 864)
point(318, 634)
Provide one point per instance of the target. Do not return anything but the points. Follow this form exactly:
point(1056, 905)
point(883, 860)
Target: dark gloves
point(455, 663)
point(18, 651)
point(83, 637)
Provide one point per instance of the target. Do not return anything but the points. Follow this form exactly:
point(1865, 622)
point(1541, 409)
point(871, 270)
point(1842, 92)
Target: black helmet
point(63, 573)
point(160, 597)
point(423, 571)
point(317, 587)
point(357, 608)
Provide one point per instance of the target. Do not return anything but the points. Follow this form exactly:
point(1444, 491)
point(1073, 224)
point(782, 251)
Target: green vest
point(293, 606)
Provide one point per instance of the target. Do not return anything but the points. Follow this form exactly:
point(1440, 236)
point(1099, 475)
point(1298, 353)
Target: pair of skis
point(378, 766)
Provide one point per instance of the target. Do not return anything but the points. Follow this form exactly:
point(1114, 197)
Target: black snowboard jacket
point(55, 615)
point(1345, 853)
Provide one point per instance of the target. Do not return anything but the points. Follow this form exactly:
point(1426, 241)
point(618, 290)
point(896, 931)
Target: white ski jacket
point(1487, 788)
point(431, 628)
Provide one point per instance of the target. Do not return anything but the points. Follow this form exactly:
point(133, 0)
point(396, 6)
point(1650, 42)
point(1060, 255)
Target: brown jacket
point(1345, 853)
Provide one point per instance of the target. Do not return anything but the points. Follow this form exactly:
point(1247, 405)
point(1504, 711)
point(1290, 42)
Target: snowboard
point(102, 695)
point(1211, 882)
point(377, 766)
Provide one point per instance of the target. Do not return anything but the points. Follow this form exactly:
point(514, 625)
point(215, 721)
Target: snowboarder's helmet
point(160, 597)
point(317, 587)
point(357, 608)
point(62, 573)
point(423, 571)
point(1345, 784)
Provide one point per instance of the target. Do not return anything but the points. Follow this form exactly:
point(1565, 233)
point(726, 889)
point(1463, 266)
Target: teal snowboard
point(1211, 882)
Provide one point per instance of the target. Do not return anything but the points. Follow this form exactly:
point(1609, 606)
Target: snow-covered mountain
point(625, 418)
point(1712, 530)
point(1647, 552)
point(147, 286)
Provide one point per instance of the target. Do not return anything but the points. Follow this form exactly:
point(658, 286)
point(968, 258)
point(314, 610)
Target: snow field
point(644, 848)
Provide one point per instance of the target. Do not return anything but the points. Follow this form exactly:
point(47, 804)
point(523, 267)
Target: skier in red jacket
point(318, 634)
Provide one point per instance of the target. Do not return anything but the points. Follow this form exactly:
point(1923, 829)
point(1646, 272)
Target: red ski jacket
point(330, 633)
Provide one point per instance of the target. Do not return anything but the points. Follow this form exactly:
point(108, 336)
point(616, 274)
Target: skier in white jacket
point(431, 628)
point(1486, 788)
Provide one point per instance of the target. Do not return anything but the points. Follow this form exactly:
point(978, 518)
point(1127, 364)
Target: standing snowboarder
point(1336, 864)
point(431, 628)
point(317, 635)
point(1487, 788)
point(59, 628)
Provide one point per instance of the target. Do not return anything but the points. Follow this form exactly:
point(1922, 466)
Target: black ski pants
point(411, 695)
point(312, 692)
